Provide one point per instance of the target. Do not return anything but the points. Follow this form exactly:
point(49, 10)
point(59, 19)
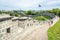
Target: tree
point(11, 14)
point(0, 12)
point(37, 13)
point(54, 11)
point(29, 12)
point(16, 15)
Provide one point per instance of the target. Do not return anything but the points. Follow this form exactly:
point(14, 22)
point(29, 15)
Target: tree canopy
point(54, 11)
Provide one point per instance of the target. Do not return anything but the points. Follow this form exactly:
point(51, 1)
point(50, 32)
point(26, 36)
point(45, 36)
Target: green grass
point(54, 32)
point(40, 18)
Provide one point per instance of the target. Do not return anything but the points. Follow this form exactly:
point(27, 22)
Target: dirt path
point(38, 34)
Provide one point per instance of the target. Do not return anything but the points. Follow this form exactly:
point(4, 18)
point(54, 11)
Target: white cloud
point(27, 4)
point(20, 3)
point(53, 2)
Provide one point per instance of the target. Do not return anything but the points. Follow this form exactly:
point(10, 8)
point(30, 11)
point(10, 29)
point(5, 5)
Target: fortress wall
point(3, 28)
point(37, 24)
point(9, 28)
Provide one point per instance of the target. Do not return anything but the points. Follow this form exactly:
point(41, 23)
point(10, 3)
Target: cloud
point(55, 2)
point(28, 4)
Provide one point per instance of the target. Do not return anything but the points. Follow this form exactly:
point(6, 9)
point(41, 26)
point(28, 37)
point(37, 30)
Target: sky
point(29, 4)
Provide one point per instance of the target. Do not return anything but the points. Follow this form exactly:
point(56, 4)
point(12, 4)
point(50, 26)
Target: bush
point(16, 15)
point(11, 14)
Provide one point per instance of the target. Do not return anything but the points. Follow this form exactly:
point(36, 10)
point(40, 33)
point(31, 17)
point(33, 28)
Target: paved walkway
point(39, 33)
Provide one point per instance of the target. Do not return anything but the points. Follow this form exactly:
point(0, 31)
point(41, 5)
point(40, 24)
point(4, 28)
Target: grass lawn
point(40, 18)
point(54, 32)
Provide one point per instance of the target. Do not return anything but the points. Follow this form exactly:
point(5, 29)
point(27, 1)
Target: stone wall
point(36, 24)
point(14, 29)
point(8, 29)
